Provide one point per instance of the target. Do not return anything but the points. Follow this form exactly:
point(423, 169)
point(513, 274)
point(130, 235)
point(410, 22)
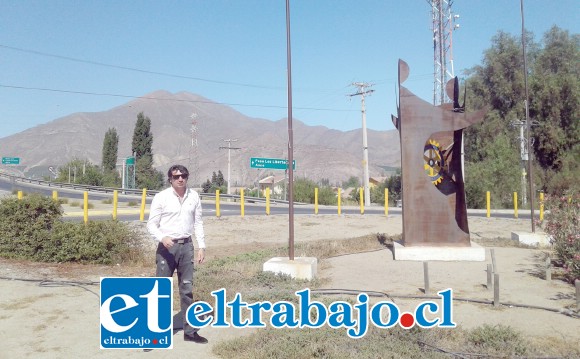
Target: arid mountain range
point(320, 152)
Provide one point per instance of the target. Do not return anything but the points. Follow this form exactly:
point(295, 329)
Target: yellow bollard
point(515, 204)
point(268, 201)
point(541, 206)
point(242, 202)
point(217, 203)
point(361, 200)
point(487, 199)
point(143, 201)
point(115, 203)
point(20, 194)
point(338, 201)
point(55, 195)
point(386, 202)
point(86, 206)
point(316, 200)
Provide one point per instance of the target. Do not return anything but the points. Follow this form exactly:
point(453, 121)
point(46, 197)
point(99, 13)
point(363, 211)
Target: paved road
point(226, 208)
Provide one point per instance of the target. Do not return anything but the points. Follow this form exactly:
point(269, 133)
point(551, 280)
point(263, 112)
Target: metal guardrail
point(129, 191)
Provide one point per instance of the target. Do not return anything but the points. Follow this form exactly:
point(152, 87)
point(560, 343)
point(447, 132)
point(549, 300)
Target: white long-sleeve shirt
point(170, 217)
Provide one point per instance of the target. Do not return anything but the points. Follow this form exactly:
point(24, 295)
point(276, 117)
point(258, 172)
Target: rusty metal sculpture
point(434, 208)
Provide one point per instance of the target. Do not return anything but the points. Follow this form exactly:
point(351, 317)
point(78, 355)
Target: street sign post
point(271, 163)
point(10, 160)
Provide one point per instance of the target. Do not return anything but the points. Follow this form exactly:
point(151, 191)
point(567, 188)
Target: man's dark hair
point(179, 168)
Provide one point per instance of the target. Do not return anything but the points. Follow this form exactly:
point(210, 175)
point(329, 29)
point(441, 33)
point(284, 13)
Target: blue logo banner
point(136, 313)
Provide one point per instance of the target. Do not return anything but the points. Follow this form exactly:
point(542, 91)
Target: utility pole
point(524, 156)
point(528, 123)
point(229, 148)
point(362, 91)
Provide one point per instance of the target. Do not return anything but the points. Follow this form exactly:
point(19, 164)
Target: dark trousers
point(179, 257)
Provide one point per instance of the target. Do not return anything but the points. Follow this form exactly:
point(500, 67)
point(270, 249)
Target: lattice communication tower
point(442, 24)
point(194, 153)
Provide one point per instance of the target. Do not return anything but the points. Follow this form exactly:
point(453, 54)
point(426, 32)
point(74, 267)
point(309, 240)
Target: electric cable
point(57, 283)
point(167, 99)
point(336, 291)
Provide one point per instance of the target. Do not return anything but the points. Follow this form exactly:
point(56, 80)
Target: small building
point(376, 181)
point(276, 184)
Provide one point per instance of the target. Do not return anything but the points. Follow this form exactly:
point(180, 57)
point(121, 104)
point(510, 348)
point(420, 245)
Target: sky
point(61, 57)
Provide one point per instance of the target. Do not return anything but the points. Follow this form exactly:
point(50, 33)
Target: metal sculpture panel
point(434, 208)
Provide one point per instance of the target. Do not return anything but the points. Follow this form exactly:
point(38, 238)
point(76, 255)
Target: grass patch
point(486, 341)
point(132, 204)
point(243, 274)
point(107, 201)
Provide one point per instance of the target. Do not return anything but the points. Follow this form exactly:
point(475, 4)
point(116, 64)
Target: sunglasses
point(183, 175)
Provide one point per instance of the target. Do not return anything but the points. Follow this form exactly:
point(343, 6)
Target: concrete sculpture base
point(474, 253)
point(531, 239)
point(299, 268)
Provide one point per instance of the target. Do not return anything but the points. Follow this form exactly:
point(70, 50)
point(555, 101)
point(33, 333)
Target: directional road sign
point(10, 160)
point(271, 163)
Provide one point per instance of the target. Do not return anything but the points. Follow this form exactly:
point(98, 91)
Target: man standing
point(174, 216)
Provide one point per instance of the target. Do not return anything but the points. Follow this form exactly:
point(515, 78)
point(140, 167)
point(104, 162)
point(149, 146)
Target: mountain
point(319, 152)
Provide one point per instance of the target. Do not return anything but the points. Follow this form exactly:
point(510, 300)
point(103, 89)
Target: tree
point(492, 152)
point(352, 182)
point(142, 137)
point(80, 171)
point(145, 175)
point(393, 184)
point(217, 183)
point(110, 176)
point(110, 150)
point(206, 186)
point(555, 106)
point(220, 179)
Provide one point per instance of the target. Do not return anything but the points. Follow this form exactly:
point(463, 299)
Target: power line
point(166, 99)
point(136, 69)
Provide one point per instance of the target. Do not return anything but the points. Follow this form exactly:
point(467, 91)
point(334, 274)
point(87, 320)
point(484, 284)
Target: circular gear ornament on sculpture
point(434, 162)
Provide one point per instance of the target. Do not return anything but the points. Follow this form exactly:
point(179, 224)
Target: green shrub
point(101, 242)
point(563, 225)
point(89, 205)
point(31, 229)
point(25, 223)
point(304, 192)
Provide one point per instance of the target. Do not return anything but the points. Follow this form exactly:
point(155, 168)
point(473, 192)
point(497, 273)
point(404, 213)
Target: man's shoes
point(196, 338)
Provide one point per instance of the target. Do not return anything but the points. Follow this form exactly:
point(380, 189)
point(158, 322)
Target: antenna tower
point(194, 152)
point(442, 25)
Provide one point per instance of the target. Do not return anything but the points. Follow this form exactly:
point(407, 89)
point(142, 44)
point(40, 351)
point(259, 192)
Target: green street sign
point(130, 161)
point(10, 160)
point(271, 163)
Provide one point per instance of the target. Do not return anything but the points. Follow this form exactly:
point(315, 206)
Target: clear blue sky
point(234, 52)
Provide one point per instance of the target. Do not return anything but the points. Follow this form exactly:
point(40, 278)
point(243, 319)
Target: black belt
point(181, 240)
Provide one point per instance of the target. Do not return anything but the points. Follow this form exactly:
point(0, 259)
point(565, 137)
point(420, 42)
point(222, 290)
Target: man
point(175, 213)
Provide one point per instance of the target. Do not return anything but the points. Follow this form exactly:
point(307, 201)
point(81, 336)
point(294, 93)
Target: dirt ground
point(63, 321)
